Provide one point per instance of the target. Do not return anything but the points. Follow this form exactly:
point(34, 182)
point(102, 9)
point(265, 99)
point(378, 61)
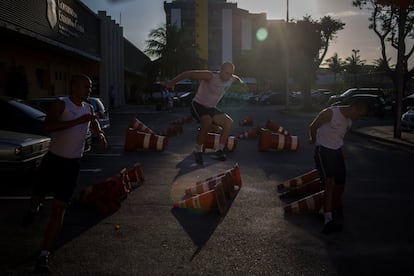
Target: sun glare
point(261, 34)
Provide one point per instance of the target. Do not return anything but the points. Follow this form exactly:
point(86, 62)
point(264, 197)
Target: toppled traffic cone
point(304, 190)
point(135, 175)
point(249, 134)
point(139, 140)
point(205, 185)
point(222, 187)
point(213, 141)
point(269, 140)
point(182, 120)
point(246, 121)
point(105, 196)
point(212, 199)
point(136, 124)
point(308, 204)
point(172, 130)
point(299, 180)
point(275, 127)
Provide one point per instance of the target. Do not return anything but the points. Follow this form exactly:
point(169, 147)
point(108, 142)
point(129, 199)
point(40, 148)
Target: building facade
point(221, 30)
point(46, 42)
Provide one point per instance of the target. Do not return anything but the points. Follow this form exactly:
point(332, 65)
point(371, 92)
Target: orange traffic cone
point(212, 199)
point(140, 140)
point(304, 190)
point(204, 185)
point(234, 172)
point(172, 130)
point(136, 124)
point(135, 175)
point(252, 133)
point(213, 140)
point(269, 140)
point(297, 181)
point(275, 127)
point(246, 121)
point(305, 205)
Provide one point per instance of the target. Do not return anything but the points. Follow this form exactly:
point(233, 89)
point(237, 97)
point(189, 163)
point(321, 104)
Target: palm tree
point(354, 64)
point(336, 66)
point(173, 50)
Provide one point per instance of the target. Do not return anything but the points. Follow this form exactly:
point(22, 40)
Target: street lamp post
point(287, 56)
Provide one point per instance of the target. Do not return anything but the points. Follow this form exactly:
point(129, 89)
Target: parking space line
point(21, 197)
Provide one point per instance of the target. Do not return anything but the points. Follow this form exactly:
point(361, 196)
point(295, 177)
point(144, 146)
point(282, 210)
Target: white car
point(21, 151)
point(407, 119)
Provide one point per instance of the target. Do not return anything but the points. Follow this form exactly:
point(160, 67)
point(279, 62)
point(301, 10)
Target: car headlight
point(23, 150)
point(18, 150)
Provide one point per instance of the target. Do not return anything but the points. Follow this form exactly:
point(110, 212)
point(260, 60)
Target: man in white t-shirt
point(67, 121)
point(204, 109)
point(327, 132)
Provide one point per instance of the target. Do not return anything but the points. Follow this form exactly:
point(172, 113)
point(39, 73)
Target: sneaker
point(219, 155)
point(331, 227)
point(198, 156)
point(30, 217)
point(42, 264)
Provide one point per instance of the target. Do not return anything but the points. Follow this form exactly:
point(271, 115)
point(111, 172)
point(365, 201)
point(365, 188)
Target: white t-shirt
point(210, 92)
point(331, 135)
point(70, 142)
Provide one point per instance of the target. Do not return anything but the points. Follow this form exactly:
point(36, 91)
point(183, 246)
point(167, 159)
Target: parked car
point(272, 98)
point(407, 102)
point(321, 96)
point(184, 99)
point(375, 103)
point(354, 91)
point(21, 151)
point(18, 116)
point(101, 112)
point(407, 120)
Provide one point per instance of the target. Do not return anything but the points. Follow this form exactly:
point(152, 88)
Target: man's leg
point(328, 204)
point(53, 230)
point(226, 122)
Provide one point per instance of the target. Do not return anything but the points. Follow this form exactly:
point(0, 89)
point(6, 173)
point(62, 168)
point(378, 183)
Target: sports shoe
point(198, 156)
point(42, 264)
point(331, 227)
point(219, 155)
point(30, 216)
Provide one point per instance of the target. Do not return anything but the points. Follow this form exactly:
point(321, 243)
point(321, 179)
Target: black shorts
point(57, 176)
point(330, 164)
point(199, 110)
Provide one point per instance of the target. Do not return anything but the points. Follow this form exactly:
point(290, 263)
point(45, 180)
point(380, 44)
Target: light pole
point(287, 56)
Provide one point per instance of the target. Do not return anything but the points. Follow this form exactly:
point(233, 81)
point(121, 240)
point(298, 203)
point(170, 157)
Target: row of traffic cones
point(106, 195)
point(213, 193)
point(307, 188)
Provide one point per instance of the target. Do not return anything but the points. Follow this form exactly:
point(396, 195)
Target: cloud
point(348, 13)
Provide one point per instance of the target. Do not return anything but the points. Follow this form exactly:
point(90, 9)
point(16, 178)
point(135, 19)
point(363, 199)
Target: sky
point(139, 17)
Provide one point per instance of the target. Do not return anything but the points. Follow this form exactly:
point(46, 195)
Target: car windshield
point(347, 92)
point(30, 111)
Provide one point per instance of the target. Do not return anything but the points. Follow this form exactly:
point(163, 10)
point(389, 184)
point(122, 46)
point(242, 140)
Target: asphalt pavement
point(147, 237)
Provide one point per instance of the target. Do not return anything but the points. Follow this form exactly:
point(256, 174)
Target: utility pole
point(287, 56)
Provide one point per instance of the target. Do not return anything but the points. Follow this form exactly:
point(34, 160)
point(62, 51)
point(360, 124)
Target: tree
point(336, 66)
point(309, 41)
point(393, 23)
point(353, 65)
point(174, 49)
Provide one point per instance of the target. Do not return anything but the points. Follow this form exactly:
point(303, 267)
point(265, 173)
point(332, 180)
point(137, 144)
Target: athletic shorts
point(330, 164)
point(199, 110)
point(58, 176)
